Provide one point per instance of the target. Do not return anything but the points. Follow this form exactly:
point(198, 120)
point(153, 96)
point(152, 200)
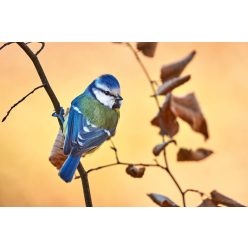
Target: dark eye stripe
point(105, 92)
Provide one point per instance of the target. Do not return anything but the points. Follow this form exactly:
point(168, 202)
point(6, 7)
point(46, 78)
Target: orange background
point(218, 78)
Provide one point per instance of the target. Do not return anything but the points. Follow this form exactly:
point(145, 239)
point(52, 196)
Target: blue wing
point(82, 136)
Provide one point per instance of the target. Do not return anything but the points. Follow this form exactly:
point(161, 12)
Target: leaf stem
point(145, 71)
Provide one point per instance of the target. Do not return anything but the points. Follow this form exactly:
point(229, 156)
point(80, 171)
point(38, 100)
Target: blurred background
point(219, 81)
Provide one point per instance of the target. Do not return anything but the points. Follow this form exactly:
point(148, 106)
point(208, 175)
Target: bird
point(92, 119)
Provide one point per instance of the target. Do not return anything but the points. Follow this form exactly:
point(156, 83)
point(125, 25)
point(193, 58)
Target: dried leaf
point(188, 109)
point(135, 171)
point(147, 48)
point(57, 157)
point(219, 198)
point(207, 203)
point(160, 147)
point(171, 84)
point(189, 155)
point(166, 120)
point(175, 69)
point(162, 200)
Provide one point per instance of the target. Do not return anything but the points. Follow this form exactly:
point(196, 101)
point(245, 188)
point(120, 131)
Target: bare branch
point(41, 48)
point(17, 103)
point(101, 167)
point(6, 44)
point(152, 83)
point(145, 71)
point(113, 147)
point(195, 191)
point(126, 164)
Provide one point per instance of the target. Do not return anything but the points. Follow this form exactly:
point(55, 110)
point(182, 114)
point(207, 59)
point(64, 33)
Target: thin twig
point(195, 191)
point(5, 44)
point(101, 167)
point(31, 92)
point(41, 48)
point(115, 151)
point(152, 82)
point(145, 71)
point(126, 164)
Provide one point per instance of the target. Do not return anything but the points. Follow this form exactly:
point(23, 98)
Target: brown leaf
point(188, 109)
point(57, 157)
point(219, 198)
point(147, 48)
point(175, 69)
point(189, 155)
point(166, 120)
point(171, 84)
point(207, 203)
point(162, 200)
point(135, 171)
point(160, 147)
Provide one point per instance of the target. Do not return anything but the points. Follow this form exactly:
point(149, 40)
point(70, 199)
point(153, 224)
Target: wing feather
point(82, 136)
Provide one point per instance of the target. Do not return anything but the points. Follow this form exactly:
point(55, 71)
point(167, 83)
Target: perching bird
point(92, 119)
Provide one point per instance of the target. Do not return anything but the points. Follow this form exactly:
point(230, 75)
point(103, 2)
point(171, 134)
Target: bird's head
point(106, 89)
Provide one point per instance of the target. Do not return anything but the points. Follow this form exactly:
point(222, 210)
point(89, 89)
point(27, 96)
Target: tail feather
point(68, 169)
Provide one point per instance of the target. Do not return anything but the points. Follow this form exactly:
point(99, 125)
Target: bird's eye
point(106, 92)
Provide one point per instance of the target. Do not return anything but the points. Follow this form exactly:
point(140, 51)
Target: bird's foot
point(60, 116)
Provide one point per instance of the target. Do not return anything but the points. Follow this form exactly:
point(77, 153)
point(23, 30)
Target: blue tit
point(92, 119)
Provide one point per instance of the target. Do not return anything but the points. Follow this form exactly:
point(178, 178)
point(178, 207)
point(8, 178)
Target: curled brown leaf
point(219, 198)
point(160, 147)
point(190, 155)
point(171, 84)
point(57, 157)
point(162, 200)
point(188, 109)
point(175, 69)
point(147, 48)
point(135, 171)
point(166, 120)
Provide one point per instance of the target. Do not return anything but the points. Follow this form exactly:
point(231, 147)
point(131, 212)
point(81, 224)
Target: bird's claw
point(60, 116)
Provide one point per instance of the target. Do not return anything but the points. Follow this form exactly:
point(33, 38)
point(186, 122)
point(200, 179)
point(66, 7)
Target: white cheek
point(108, 101)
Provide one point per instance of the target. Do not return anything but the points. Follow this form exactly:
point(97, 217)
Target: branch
point(118, 162)
point(167, 169)
point(115, 151)
point(126, 164)
point(5, 117)
point(5, 44)
point(152, 82)
point(41, 48)
point(57, 108)
point(195, 191)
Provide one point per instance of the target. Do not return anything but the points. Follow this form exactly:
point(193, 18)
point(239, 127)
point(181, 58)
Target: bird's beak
point(117, 104)
point(119, 98)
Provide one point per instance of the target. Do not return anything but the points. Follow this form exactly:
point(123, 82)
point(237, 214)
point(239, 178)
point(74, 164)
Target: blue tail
point(69, 167)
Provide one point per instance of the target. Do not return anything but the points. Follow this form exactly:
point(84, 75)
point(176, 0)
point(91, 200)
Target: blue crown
point(108, 80)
